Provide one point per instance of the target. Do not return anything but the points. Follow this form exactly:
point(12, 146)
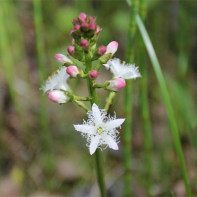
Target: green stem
point(80, 98)
point(46, 140)
point(109, 100)
point(98, 153)
point(80, 104)
point(128, 103)
point(161, 80)
point(144, 104)
point(104, 85)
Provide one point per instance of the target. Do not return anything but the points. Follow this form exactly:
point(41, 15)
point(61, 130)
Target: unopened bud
point(93, 74)
point(75, 21)
point(98, 29)
point(116, 84)
point(85, 26)
point(112, 47)
point(82, 16)
point(73, 41)
point(84, 43)
point(93, 26)
point(102, 50)
point(92, 19)
point(71, 50)
point(58, 96)
point(71, 31)
point(72, 71)
point(62, 59)
point(77, 27)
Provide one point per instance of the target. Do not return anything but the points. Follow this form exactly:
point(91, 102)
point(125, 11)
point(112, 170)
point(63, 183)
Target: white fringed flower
point(121, 69)
point(100, 129)
point(57, 81)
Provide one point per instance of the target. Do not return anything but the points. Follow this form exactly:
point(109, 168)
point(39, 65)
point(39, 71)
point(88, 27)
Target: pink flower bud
point(84, 43)
point(102, 50)
point(93, 74)
point(71, 50)
point(75, 21)
point(73, 41)
point(77, 27)
point(112, 47)
point(92, 19)
point(85, 26)
point(62, 59)
point(57, 96)
point(71, 31)
point(98, 29)
point(82, 16)
point(72, 71)
point(93, 26)
point(116, 84)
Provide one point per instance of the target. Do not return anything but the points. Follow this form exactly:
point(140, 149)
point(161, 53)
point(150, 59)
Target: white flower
point(100, 129)
point(57, 81)
point(121, 69)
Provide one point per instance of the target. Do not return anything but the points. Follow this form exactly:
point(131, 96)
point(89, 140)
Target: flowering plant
point(100, 129)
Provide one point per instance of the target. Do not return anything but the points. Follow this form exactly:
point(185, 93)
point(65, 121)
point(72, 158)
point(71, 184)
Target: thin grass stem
point(43, 119)
point(162, 83)
point(7, 59)
point(127, 134)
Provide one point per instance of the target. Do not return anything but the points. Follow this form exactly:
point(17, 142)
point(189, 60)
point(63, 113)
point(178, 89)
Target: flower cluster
point(100, 129)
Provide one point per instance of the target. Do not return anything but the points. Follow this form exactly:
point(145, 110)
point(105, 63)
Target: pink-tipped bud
point(71, 31)
point(77, 27)
point(73, 41)
point(112, 47)
point(57, 96)
point(62, 59)
point(92, 19)
point(75, 21)
point(82, 16)
point(98, 29)
point(93, 74)
point(116, 84)
point(93, 26)
point(71, 50)
point(84, 43)
point(102, 50)
point(72, 71)
point(85, 26)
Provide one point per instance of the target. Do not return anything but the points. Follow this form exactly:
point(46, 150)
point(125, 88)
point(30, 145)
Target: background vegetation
point(40, 153)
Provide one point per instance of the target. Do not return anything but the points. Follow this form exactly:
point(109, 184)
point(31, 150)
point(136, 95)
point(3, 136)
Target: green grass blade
point(43, 119)
point(127, 134)
point(160, 78)
point(7, 58)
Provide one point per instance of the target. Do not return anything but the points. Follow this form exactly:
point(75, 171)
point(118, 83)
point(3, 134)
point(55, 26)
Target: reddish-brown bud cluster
point(85, 34)
point(85, 26)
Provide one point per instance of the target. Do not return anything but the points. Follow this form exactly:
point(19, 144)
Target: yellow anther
point(55, 72)
point(100, 130)
point(49, 77)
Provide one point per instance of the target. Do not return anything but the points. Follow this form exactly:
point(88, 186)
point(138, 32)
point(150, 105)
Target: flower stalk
point(100, 129)
point(98, 153)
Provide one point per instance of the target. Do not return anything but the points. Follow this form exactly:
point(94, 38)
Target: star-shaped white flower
point(100, 129)
point(121, 69)
point(57, 81)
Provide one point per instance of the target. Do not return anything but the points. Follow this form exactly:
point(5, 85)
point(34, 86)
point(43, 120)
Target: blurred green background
point(40, 153)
